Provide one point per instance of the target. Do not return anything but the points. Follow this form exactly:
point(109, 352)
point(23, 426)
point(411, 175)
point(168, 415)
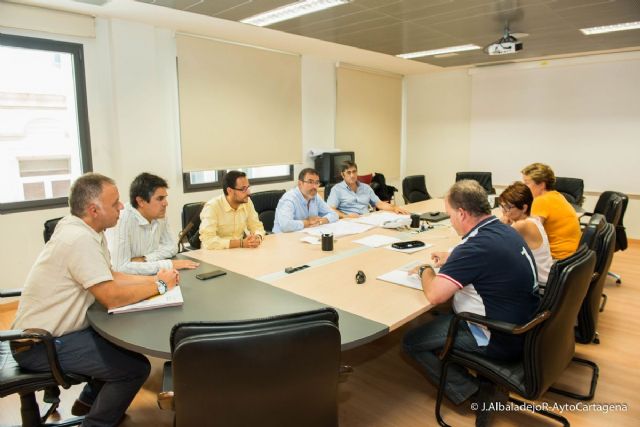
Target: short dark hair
point(144, 185)
point(85, 190)
point(307, 171)
point(348, 164)
point(230, 178)
point(518, 195)
point(469, 195)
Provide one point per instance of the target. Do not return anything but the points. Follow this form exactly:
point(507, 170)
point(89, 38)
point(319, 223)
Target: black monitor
point(329, 165)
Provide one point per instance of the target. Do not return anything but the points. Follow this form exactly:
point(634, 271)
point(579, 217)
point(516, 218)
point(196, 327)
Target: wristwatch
point(162, 286)
point(423, 268)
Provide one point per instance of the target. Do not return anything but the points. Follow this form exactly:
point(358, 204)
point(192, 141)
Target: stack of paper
point(379, 218)
point(169, 299)
point(339, 228)
point(401, 276)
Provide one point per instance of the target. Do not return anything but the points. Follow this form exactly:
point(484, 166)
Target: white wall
point(437, 127)
point(133, 112)
point(456, 124)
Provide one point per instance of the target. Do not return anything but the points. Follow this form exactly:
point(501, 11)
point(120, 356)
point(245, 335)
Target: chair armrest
point(497, 325)
point(6, 293)
point(40, 335)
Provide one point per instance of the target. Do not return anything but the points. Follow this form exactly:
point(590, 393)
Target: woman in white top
point(515, 202)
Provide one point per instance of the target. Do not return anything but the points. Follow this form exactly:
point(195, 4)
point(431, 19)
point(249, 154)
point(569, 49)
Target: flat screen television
point(329, 165)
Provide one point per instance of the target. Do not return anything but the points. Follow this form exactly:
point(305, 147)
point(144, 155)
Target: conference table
point(257, 286)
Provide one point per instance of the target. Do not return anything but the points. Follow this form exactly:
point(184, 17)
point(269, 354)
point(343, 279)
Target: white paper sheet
point(379, 218)
point(168, 299)
point(400, 275)
point(376, 240)
point(338, 228)
point(311, 239)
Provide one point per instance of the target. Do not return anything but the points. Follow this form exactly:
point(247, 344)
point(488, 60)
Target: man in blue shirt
point(301, 207)
point(491, 272)
point(352, 198)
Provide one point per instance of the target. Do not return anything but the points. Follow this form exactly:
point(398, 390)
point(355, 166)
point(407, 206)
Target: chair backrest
point(483, 178)
point(414, 189)
point(591, 229)
point(379, 186)
point(327, 191)
point(550, 346)
point(191, 215)
point(588, 315)
point(49, 228)
point(265, 203)
point(274, 372)
point(571, 188)
point(366, 179)
point(613, 205)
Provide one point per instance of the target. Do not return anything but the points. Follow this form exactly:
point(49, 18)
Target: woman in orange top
point(556, 214)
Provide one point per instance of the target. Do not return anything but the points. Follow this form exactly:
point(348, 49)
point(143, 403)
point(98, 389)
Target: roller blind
point(368, 118)
point(240, 106)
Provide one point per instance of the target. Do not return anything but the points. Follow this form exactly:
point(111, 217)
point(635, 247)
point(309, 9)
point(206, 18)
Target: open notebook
point(169, 299)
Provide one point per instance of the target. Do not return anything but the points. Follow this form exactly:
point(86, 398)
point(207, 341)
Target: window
point(44, 130)
point(209, 180)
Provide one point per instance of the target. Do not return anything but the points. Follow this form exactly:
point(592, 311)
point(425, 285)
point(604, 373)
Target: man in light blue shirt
point(352, 198)
point(301, 207)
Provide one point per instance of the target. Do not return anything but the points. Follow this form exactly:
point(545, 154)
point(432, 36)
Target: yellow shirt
point(560, 222)
point(220, 223)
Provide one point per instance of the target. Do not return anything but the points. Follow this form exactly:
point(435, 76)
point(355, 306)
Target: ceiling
point(401, 26)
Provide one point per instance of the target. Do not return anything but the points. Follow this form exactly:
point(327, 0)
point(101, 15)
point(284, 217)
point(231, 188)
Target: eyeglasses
point(506, 208)
point(312, 182)
point(243, 189)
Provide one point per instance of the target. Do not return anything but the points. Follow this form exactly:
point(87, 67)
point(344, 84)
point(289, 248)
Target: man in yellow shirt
point(230, 220)
point(556, 214)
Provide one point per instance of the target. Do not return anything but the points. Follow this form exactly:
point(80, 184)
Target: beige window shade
point(239, 106)
point(46, 20)
point(368, 119)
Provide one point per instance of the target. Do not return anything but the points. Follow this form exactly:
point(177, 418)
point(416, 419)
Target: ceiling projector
point(505, 46)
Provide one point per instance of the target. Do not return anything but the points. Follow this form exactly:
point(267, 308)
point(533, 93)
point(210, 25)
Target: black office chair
point(613, 205)
point(549, 339)
point(594, 301)
point(49, 228)
point(414, 189)
point(14, 379)
point(379, 186)
point(572, 189)
point(483, 178)
point(190, 226)
point(265, 203)
point(327, 191)
point(276, 372)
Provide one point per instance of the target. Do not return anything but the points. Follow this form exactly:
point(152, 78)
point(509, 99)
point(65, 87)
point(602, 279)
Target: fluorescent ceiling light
point(611, 28)
point(292, 10)
point(440, 51)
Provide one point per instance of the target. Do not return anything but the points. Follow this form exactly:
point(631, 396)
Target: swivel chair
point(275, 372)
point(613, 205)
point(483, 178)
point(327, 191)
point(265, 203)
point(414, 189)
point(381, 189)
point(190, 226)
point(14, 379)
point(49, 228)
point(572, 189)
point(549, 343)
point(594, 301)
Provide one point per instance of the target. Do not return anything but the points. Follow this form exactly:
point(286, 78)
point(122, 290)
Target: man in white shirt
point(72, 271)
point(141, 242)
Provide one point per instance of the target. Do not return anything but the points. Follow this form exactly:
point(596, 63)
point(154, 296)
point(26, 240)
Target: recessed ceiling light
point(611, 28)
point(290, 11)
point(440, 51)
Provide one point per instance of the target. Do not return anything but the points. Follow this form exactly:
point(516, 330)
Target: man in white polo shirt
point(72, 272)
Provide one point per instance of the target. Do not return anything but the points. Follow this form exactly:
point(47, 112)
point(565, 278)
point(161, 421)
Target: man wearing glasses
point(301, 207)
point(230, 220)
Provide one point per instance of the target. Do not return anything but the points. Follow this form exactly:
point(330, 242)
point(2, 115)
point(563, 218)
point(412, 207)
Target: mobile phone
point(210, 274)
point(408, 245)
